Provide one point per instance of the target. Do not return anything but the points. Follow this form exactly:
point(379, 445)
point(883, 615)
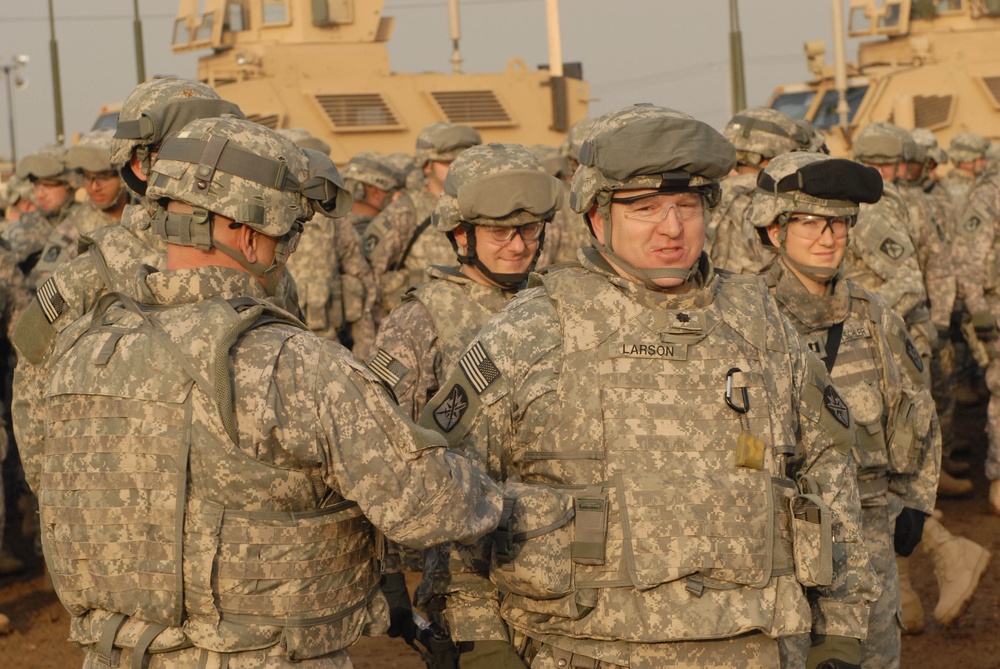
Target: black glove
point(909, 529)
point(834, 652)
point(489, 655)
point(400, 609)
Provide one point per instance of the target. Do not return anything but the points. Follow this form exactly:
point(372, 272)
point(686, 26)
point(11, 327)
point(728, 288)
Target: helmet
point(497, 185)
point(967, 147)
point(375, 170)
point(644, 146)
point(19, 188)
point(882, 143)
point(49, 163)
point(552, 160)
point(817, 140)
point(575, 137)
point(444, 141)
point(248, 173)
point(305, 139)
point(156, 109)
point(926, 140)
point(92, 153)
point(762, 133)
point(810, 183)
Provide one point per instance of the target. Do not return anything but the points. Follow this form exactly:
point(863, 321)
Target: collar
point(186, 286)
point(704, 284)
point(816, 312)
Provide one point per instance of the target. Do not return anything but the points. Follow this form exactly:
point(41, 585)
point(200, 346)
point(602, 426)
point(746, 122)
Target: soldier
point(20, 200)
point(373, 181)
point(107, 197)
point(759, 135)
point(967, 152)
point(53, 186)
point(400, 243)
point(335, 284)
point(566, 233)
point(975, 252)
point(575, 137)
point(653, 422)
point(276, 475)
point(804, 207)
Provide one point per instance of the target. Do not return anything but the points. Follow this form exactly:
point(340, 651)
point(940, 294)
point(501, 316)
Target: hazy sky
point(669, 52)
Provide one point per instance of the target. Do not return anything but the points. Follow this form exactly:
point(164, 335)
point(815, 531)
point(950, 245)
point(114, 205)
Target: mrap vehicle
point(933, 64)
point(323, 65)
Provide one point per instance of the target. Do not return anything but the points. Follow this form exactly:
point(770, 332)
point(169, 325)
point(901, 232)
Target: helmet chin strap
point(270, 274)
point(512, 281)
point(645, 276)
point(116, 200)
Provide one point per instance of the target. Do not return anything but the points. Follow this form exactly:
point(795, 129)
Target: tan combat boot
point(909, 600)
point(949, 486)
point(959, 563)
point(995, 497)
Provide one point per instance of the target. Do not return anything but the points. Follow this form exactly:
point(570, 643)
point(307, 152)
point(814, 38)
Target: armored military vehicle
point(323, 65)
point(935, 66)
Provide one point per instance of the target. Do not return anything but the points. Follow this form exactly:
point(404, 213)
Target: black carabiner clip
point(729, 393)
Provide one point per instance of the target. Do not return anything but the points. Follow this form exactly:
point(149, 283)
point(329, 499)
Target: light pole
point(9, 71)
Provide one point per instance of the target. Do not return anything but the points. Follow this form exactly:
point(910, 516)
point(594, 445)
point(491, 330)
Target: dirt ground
point(40, 624)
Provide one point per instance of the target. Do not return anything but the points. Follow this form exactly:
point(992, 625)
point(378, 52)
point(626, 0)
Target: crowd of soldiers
point(662, 396)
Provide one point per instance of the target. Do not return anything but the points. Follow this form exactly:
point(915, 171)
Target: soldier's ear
point(461, 237)
point(596, 221)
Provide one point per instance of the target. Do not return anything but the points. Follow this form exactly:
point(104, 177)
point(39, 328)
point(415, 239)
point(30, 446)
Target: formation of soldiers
point(663, 396)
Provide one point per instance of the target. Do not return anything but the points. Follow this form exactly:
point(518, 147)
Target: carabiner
point(729, 393)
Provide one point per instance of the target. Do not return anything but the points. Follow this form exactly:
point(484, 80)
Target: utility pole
point(56, 84)
point(140, 55)
point(840, 65)
point(739, 89)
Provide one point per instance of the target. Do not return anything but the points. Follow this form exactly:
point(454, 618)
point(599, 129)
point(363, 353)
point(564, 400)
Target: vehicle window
point(949, 5)
point(826, 115)
point(891, 18)
point(795, 105)
point(181, 34)
point(237, 17)
point(204, 31)
point(275, 11)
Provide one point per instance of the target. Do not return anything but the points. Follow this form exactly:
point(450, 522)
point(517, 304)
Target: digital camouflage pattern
point(564, 237)
point(966, 147)
point(442, 142)
point(933, 252)
point(92, 152)
point(288, 386)
point(731, 240)
point(761, 133)
point(565, 386)
point(63, 244)
point(423, 338)
point(400, 244)
point(336, 286)
point(976, 251)
point(28, 235)
point(958, 184)
point(882, 384)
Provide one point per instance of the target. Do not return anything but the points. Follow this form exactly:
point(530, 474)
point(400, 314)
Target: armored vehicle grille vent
point(223, 81)
point(272, 121)
point(993, 86)
point(472, 107)
point(931, 111)
point(358, 111)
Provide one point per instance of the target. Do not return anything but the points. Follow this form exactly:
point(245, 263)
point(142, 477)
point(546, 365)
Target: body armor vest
point(665, 520)
point(428, 246)
point(154, 518)
point(456, 328)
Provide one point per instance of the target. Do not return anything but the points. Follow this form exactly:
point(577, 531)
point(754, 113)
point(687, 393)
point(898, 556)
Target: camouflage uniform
point(27, 236)
point(759, 135)
point(335, 284)
point(567, 232)
point(243, 479)
point(627, 506)
point(400, 243)
point(968, 148)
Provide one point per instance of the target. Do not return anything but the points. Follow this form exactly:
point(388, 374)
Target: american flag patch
point(52, 302)
point(478, 368)
point(387, 368)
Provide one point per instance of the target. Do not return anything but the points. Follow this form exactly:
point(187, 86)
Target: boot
point(909, 600)
point(959, 563)
point(949, 486)
point(9, 564)
point(995, 497)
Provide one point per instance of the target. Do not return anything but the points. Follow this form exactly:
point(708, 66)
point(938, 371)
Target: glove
point(909, 529)
point(985, 325)
point(400, 609)
point(834, 652)
point(489, 655)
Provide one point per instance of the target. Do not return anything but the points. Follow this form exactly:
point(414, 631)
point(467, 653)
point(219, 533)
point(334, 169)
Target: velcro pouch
point(812, 541)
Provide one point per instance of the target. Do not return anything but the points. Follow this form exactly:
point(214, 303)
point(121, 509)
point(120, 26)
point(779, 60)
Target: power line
point(102, 17)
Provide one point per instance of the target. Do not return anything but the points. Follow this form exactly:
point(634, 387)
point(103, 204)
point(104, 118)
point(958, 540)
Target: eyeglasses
point(811, 227)
point(501, 234)
point(94, 177)
point(45, 183)
point(654, 207)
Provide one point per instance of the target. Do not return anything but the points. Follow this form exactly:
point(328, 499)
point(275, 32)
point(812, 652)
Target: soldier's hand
point(985, 325)
point(909, 530)
point(834, 652)
point(400, 609)
point(489, 655)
